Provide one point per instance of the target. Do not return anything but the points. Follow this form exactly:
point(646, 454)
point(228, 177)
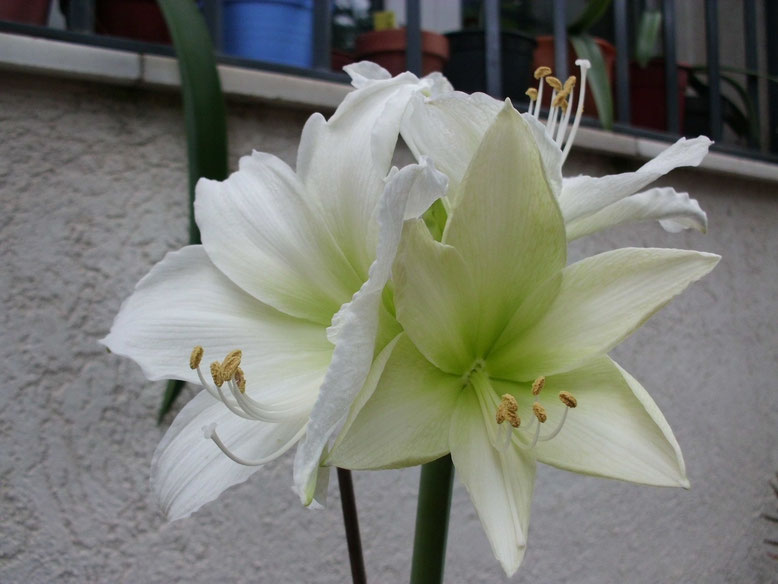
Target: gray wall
point(93, 192)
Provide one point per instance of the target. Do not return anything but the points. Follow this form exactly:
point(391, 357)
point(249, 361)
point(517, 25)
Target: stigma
point(562, 96)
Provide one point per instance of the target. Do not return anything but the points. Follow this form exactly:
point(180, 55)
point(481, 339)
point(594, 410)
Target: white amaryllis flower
point(500, 340)
point(448, 127)
point(285, 255)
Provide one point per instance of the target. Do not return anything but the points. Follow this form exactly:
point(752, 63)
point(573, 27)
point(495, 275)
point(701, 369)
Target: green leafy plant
point(647, 34)
point(586, 48)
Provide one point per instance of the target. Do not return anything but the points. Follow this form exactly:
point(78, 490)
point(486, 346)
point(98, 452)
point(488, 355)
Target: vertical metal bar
point(493, 52)
point(714, 82)
point(81, 16)
point(560, 39)
point(212, 12)
point(752, 62)
point(671, 67)
point(413, 59)
point(771, 25)
point(322, 40)
point(622, 61)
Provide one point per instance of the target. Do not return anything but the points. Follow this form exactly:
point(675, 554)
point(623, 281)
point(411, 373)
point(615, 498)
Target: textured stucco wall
point(93, 192)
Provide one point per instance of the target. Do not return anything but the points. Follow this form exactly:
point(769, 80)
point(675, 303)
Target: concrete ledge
point(62, 59)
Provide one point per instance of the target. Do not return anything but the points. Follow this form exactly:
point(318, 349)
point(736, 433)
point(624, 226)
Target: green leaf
point(648, 31)
point(599, 83)
point(204, 114)
point(172, 391)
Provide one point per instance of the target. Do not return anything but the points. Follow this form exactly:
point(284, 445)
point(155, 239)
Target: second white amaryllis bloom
point(448, 127)
point(501, 340)
point(285, 254)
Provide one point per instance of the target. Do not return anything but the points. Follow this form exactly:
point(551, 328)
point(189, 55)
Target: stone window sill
point(63, 59)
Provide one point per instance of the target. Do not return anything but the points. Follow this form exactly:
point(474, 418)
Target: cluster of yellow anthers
point(562, 96)
point(508, 408)
point(228, 374)
point(228, 370)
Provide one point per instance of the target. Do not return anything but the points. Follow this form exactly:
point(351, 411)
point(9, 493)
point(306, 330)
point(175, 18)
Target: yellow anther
point(541, 72)
point(554, 82)
point(538, 385)
point(507, 411)
point(570, 83)
point(568, 399)
point(196, 357)
point(559, 99)
point(240, 380)
point(540, 412)
point(564, 105)
point(216, 373)
point(532, 93)
point(230, 364)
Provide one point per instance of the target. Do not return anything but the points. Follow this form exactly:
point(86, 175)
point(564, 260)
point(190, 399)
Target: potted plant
point(600, 53)
point(465, 68)
point(350, 18)
point(26, 11)
point(135, 19)
point(647, 85)
point(386, 45)
point(277, 31)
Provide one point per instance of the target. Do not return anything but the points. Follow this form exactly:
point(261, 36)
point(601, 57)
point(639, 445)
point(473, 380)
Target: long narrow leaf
point(204, 113)
point(586, 48)
point(648, 32)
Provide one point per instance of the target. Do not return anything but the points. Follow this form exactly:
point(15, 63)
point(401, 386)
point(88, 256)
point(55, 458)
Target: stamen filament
point(206, 385)
point(210, 433)
point(557, 429)
point(560, 135)
point(584, 66)
point(265, 412)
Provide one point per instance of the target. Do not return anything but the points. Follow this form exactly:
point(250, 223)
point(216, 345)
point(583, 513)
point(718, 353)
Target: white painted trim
point(63, 59)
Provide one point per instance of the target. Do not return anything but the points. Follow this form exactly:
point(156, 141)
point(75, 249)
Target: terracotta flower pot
point(544, 55)
point(387, 48)
point(647, 94)
point(26, 11)
point(135, 19)
point(339, 59)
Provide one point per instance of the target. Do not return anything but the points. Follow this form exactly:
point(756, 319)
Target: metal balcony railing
point(81, 26)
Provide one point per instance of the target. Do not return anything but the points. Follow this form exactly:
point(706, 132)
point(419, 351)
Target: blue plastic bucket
point(279, 31)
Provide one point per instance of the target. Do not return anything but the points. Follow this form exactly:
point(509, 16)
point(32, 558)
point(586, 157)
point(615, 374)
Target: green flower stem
point(429, 544)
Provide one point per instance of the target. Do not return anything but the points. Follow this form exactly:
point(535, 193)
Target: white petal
point(343, 161)
point(260, 231)
point(449, 129)
point(185, 301)
point(506, 225)
point(584, 195)
point(188, 470)
point(499, 482)
point(366, 72)
point(616, 431)
point(414, 188)
point(406, 420)
point(675, 212)
point(601, 300)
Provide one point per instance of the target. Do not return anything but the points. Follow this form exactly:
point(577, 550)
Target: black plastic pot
point(466, 68)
